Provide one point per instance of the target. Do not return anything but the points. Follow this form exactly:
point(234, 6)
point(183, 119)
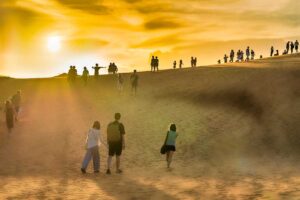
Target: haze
point(41, 38)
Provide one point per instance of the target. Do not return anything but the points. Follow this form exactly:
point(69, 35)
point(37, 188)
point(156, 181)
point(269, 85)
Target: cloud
point(160, 23)
point(159, 42)
point(90, 6)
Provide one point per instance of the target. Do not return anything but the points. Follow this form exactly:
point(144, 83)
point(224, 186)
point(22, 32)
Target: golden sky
point(129, 31)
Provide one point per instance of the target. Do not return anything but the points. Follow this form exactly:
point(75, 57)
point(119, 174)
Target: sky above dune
point(41, 38)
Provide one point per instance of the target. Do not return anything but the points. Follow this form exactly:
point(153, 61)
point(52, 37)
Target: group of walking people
point(289, 48)
point(241, 56)
point(11, 109)
point(115, 144)
point(180, 63)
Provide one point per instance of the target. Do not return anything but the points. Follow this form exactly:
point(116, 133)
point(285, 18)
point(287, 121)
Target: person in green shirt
point(170, 144)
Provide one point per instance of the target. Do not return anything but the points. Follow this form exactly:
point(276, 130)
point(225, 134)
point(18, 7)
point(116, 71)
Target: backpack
point(113, 132)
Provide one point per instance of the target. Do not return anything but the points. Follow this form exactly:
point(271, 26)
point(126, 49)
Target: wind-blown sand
point(238, 127)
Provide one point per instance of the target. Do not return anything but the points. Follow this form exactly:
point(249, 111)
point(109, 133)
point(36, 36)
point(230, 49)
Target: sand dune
point(239, 137)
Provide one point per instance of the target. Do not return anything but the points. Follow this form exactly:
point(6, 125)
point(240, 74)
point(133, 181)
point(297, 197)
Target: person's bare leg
point(167, 157)
point(170, 158)
point(118, 161)
point(109, 159)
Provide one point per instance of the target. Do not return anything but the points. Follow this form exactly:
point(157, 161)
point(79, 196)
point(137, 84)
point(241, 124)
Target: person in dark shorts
point(116, 142)
point(134, 82)
point(170, 144)
point(10, 114)
point(16, 103)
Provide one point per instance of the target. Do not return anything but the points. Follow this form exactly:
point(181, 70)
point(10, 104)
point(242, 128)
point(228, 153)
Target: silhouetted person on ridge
point(242, 56)
point(272, 51)
point(296, 45)
point(219, 61)
point(195, 62)
point(156, 63)
point(134, 82)
point(192, 61)
point(96, 70)
point(225, 58)
point(277, 53)
point(252, 54)
point(85, 75)
point(292, 47)
point(238, 59)
point(152, 64)
point(180, 64)
point(247, 53)
point(288, 46)
point(231, 56)
point(174, 64)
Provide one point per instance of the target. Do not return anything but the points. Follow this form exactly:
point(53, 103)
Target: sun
point(54, 43)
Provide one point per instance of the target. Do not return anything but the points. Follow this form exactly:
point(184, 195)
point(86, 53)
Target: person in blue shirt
point(170, 144)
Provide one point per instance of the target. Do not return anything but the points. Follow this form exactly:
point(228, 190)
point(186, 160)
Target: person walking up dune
point(169, 147)
point(16, 103)
point(174, 64)
point(120, 83)
point(134, 82)
point(93, 141)
point(116, 142)
point(296, 45)
point(10, 115)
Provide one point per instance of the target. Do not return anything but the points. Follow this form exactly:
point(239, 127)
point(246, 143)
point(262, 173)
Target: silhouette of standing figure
point(231, 56)
point(192, 61)
point(219, 61)
point(296, 45)
point(180, 64)
point(152, 64)
point(247, 53)
point(195, 62)
point(225, 58)
point(174, 64)
point(96, 68)
point(287, 47)
point(85, 75)
point(252, 54)
point(272, 51)
point(156, 63)
point(292, 47)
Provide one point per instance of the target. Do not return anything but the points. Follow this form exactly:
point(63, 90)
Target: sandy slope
point(239, 135)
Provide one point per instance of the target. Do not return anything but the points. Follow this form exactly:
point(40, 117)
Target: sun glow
point(54, 43)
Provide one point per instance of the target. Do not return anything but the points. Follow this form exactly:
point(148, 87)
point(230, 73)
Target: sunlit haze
point(41, 38)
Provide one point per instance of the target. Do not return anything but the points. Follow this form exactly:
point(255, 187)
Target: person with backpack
point(93, 141)
point(169, 147)
point(116, 142)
